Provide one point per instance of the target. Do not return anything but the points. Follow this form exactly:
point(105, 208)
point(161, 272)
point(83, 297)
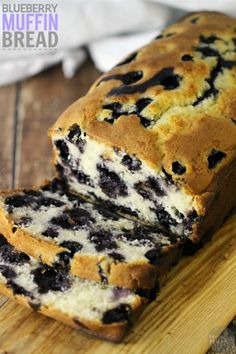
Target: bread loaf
point(156, 135)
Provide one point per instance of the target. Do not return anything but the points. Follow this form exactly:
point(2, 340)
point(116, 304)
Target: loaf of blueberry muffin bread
point(98, 309)
point(89, 240)
point(155, 137)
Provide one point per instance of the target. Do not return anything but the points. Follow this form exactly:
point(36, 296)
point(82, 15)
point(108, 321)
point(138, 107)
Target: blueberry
point(102, 240)
point(154, 256)
point(74, 137)
point(116, 256)
point(165, 77)
point(168, 79)
point(116, 111)
point(208, 39)
point(71, 219)
point(114, 106)
point(164, 217)
point(155, 186)
point(7, 271)
point(187, 57)
point(3, 241)
point(193, 216)
point(74, 133)
point(177, 168)
point(50, 279)
point(10, 255)
point(50, 232)
point(142, 103)
point(80, 217)
point(18, 201)
point(127, 211)
point(62, 221)
point(132, 163)
point(110, 183)
point(149, 294)
point(82, 177)
point(131, 77)
point(146, 188)
point(63, 149)
point(146, 122)
point(139, 233)
point(208, 51)
point(121, 313)
point(215, 157)
point(73, 246)
point(30, 198)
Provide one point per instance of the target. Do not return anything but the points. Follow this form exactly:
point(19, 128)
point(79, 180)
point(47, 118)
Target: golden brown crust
point(133, 275)
point(112, 332)
point(183, 130)
point(143, 140)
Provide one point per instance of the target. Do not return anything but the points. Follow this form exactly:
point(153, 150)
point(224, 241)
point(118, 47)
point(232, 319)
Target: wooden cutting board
point(195, 305)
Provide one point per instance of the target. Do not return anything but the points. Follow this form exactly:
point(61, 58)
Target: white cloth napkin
point(109, 28)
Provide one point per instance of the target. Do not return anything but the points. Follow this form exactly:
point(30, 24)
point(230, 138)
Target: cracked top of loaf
point(171, 103)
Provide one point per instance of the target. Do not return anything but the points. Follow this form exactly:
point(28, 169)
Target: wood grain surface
point(7, 135)
point(198, 300)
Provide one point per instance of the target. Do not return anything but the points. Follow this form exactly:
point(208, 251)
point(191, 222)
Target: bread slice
point(97, 309)
point(155, 136)
point(94, 243)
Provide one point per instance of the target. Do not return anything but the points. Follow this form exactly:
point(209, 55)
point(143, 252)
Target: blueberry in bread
point(89, 240)
point(156, 135)
point(97, 309)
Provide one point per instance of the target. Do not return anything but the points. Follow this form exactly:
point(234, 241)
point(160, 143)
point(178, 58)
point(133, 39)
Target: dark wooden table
point(27, 110)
